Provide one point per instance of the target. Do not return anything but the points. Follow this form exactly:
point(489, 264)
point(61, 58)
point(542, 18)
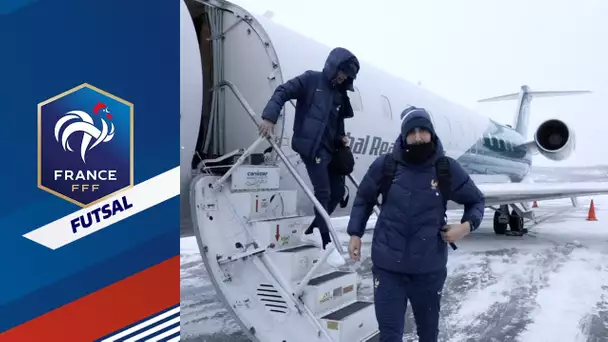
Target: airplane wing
point(508, 193)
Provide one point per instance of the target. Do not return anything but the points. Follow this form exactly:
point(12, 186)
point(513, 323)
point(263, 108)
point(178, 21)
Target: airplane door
point(444, 129)
point(387, 111)
point(457, 135)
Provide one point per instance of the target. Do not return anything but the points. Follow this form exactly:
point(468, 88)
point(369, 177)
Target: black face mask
point(341, 86)
point(419, 153)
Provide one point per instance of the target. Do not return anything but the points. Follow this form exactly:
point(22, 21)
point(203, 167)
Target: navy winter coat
point(315, 95)
point(407, 236)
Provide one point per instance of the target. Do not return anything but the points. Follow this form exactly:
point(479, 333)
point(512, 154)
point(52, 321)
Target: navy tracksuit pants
point(391, 294)
point(328, 186)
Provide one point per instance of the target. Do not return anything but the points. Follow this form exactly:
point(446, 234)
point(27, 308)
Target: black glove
point(325, 238)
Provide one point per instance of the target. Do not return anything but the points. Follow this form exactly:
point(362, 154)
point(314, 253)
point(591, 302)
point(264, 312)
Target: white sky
point(471, 49)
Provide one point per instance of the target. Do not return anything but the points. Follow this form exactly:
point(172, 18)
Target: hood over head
point(341, 59)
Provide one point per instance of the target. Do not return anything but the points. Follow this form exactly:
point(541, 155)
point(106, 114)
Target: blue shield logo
point(85, 145)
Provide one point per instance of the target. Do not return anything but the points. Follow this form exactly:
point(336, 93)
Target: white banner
point(113, 209)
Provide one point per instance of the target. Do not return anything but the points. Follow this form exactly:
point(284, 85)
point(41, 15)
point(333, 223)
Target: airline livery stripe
point(120, 206)
point(163, 326)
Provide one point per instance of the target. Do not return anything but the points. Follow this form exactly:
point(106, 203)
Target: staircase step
point(280, 233)
point(255, 177)
point(374, 338)
point(327, 277)
point(251, 252)
point(331, 290)
point(269, 219)
point(295, 262)
point(354, 322)
point(265, 205)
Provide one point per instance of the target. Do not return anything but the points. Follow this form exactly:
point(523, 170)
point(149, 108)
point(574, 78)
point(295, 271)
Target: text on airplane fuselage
point(369, 145)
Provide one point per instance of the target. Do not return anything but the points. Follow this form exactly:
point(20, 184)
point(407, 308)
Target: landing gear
point(502, 219)
point(516, 223)
point(500, 222)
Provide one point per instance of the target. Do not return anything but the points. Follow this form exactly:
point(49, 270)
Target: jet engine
point(554, 140)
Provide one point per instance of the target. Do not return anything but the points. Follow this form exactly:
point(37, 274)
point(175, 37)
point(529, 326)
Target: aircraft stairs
point(278, 287)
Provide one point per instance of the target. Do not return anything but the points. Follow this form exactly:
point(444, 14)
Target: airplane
point(232, 60)
point(491, 152)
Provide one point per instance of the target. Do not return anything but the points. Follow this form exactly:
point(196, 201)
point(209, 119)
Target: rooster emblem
point(91, 135)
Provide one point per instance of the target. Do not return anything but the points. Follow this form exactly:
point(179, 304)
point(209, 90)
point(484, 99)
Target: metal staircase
point(277, 286)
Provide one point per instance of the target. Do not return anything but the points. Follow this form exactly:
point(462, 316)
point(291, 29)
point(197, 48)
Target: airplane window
point(494, 142)
point(457, 130)
point(502, 145)
point(487, 142)
point(447, 123)
point(462, 132)
point(386, 107)
point(355, 100)
point(447, 130)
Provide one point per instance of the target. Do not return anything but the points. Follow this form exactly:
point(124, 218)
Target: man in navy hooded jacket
point(322, 105)
point(409, 247)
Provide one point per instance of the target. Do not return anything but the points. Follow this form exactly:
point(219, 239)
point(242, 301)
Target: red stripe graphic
point(107, 310)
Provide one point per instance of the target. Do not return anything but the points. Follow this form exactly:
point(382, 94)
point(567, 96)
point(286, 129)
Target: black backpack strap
point(389, 168)
point(442, 168)
point(344, 200)
point(444, 178)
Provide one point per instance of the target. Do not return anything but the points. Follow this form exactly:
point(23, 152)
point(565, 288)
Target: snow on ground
point(551, 285)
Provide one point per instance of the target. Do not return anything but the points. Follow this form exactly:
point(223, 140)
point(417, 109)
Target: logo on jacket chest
point(434, 184)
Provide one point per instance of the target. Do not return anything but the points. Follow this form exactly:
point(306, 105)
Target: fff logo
point(85, 145)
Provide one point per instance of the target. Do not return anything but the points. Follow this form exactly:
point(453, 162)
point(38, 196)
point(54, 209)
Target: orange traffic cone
point(591, 215)
point(534, 205)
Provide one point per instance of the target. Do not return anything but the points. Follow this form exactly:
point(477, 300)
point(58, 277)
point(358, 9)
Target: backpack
point(442, 168)
point(342, 161)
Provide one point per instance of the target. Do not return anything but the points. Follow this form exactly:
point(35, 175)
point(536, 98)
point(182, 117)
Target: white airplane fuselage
point(257, 55)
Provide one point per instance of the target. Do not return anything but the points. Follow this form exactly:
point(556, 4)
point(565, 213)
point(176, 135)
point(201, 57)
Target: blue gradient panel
point(8, 6)
point(107, 150)
point(48, 47)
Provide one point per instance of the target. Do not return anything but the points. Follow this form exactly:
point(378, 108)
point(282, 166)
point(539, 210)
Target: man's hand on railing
point(266, 128)
point(354, 248)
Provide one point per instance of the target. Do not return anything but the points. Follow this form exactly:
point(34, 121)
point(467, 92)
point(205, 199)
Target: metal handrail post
point(310, 195)
point(287, 163)
point(239, 161)
point(300, 288)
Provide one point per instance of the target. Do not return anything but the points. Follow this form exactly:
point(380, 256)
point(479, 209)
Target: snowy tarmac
point(550, 285)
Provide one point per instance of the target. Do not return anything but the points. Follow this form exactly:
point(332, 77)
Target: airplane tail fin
point(524, 97)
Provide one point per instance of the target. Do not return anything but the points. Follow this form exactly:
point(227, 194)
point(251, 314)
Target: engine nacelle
point(554, 140)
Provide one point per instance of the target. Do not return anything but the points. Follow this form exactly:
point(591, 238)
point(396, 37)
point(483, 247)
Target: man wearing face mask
point(409, 247)
point(321, 107)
